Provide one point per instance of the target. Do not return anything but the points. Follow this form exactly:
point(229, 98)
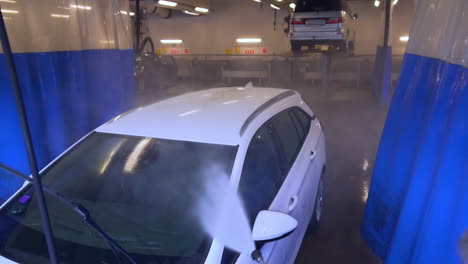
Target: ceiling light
point(279, 0)
point(258, 1)
point(202, 9)
point(249, 40)
point(191, 13)
point(167, 3)
point(9, 11)
point(171, 41)
point(404, 38)
point(395, 2)
point(60, 16)
point(274, 7)
point(107, 42)
point(8, 1)
point(81, 7)
point(127, 13)
point(292, 5)
point(377, 3)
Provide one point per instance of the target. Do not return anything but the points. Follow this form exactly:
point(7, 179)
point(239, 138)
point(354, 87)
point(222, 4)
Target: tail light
point(335, 20)
point(298, 21)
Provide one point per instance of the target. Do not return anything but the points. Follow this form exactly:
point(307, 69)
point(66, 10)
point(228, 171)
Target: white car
point(144, 175)
point(322, 25)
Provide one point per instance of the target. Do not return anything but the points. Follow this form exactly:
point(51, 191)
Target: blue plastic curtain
point(75, 70)
point(417, 211)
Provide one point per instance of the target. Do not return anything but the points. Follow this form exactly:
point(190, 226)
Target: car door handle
point(292, 202)
point(312, 154)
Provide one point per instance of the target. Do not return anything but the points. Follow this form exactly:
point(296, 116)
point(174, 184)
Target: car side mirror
point(355, 16)
point(270, 225)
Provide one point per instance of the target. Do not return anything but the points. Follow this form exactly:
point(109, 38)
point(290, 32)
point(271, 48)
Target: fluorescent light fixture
point(127, 13)
point(395, 2)
point(258, 1)
point(377, 3)
point(60, 16)
point(202, 9)
point(107, 42)
point(167, 3)
point(9, 11)
point(274, 7)
point(404, 38)
point(8, 1)
point(191, 13)
point(81, 7)
point(249, 40)
point(279, 0)
point(292, 5)
point(171, 41)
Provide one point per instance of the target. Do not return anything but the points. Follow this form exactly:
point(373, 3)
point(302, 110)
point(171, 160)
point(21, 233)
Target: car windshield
point(142, 191)
point(319, 5)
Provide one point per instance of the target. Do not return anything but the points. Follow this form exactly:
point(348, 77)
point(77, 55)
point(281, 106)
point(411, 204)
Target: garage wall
point(217, 31)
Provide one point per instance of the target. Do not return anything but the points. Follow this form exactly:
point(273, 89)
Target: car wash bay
point(384, 177)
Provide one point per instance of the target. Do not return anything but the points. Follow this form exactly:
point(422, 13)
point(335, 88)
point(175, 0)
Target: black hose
point(146, 40)
point(137, 25)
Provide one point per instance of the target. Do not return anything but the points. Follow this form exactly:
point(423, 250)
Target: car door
point(301, 184)
point(272, 179)
point(297, 194)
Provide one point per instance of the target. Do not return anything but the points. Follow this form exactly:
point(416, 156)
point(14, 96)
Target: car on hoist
point(322, 26)
point(143, 177)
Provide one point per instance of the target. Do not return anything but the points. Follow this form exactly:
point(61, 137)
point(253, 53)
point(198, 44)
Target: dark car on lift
point(322, 25)
point(154, 72)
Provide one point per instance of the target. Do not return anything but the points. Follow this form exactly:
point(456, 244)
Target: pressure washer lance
point(257, 256)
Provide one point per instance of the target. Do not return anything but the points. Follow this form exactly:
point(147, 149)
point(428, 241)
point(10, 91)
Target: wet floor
point(353, 123)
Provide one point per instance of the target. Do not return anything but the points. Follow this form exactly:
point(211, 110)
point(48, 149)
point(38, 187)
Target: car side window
point(259, 180)
point(303, 118)
point(288, 137)
point(297, 125)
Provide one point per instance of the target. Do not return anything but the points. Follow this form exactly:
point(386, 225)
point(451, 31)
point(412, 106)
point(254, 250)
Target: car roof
point(214, 115)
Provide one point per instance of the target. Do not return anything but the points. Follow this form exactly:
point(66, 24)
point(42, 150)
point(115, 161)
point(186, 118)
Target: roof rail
point(263, 107)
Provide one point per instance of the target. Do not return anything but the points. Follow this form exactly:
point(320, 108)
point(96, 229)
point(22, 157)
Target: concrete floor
point(353, 123)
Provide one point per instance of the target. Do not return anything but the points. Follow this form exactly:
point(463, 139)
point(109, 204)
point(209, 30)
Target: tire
point(318, 208)
point(296, 49)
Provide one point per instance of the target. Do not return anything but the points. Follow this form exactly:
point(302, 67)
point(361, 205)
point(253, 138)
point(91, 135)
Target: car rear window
point(319, 5)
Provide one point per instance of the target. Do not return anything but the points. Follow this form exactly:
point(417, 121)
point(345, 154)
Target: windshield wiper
point(84, 213)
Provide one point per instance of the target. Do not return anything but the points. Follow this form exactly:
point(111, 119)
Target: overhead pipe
point(37, 185)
